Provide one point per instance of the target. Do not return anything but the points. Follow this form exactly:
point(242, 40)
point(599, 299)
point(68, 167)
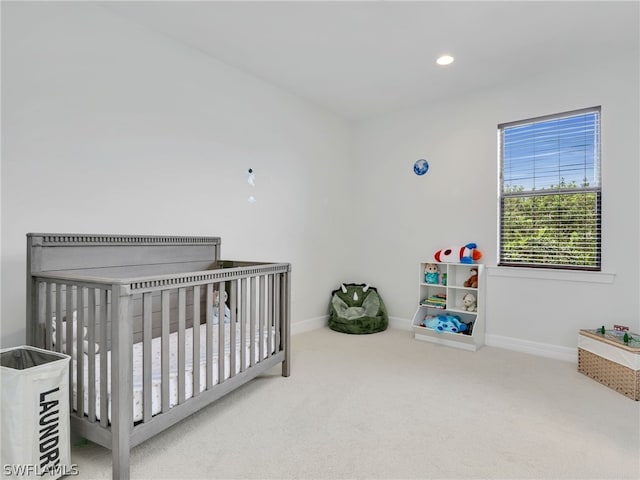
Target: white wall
point(411, 217)
point(110, 128)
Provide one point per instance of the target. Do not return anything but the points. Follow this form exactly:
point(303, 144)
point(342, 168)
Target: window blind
point(550, 192)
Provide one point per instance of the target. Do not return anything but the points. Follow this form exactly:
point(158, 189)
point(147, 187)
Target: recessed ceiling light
point(445, 60)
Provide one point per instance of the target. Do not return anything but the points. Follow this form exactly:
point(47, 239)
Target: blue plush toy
point(444, 323)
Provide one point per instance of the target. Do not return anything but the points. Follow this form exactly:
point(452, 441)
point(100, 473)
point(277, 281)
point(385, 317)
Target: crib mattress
point(156, 375)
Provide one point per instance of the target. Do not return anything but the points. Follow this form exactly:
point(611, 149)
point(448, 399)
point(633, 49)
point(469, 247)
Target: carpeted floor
point(386, 406)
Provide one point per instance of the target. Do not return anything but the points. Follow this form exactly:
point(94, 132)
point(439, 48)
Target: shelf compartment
point(465, 317)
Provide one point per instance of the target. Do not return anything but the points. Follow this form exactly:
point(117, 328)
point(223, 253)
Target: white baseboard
point(557, 352)
point(309, 324)
point(400, 323)
point(508, 343)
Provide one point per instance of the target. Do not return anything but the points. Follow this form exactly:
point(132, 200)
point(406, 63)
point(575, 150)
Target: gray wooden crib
point(145, 320)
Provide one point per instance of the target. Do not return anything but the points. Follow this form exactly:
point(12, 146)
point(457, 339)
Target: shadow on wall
point(13, 318)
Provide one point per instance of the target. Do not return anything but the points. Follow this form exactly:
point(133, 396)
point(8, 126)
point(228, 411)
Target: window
point(550, 192)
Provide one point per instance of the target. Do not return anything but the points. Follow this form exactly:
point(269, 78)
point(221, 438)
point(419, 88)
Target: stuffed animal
point(432, 273)
point(468, 253)
point(216, 303)
point(469, 302)
point(444, 323)
point(74, 341)
point(472, 281)
point(216, 297)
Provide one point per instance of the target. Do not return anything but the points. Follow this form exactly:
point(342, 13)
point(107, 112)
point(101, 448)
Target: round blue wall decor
point(420, 167)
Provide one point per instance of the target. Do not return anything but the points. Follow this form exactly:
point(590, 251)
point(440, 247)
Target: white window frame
point(507, 257)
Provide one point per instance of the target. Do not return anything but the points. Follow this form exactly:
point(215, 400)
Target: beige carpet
point(386, 406)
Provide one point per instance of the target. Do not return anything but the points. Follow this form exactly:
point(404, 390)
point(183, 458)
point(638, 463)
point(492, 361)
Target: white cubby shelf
point(451, 288)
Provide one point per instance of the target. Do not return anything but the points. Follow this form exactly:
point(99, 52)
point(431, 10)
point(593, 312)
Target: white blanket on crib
point(156, 359)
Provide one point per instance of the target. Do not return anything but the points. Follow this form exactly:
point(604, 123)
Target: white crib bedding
point(156, 376)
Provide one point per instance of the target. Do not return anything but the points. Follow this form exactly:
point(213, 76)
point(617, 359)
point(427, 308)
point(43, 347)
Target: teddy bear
point(432, 273)
point(216, 303)
point(469, 302)
point(472, 281)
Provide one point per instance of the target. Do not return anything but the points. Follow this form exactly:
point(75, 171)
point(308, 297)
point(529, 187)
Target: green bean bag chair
point(357, 309)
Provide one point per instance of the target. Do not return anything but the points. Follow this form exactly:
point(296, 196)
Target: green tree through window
point(550, 195)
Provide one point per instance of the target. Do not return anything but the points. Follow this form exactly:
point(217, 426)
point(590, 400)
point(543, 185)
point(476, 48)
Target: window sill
point(550, 274)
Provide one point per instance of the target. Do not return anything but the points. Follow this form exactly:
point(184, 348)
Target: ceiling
point(369, 57)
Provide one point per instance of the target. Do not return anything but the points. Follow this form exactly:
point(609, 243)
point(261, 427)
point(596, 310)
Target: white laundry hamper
point(34, 413)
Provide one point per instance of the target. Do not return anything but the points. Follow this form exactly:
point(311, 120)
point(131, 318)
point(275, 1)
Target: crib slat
point(196, 340)
point(243, 324)
point(165, 349)
point(104, 399)
point(233, 294)
point(39, 315)
point(209, 313)
point(182, 307)
point(278, 314)
point(269, 315)
point(70, 327)
point(91, 364)
point(69, 318)
point(221, 342)
point(252, 322)
point(285, 316)
point(147, 366)
point(80, 356)
point(58, 318)
point(48, 318)
point(261, 317)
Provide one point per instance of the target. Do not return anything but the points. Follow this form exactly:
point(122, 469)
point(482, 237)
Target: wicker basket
point(618, 377)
